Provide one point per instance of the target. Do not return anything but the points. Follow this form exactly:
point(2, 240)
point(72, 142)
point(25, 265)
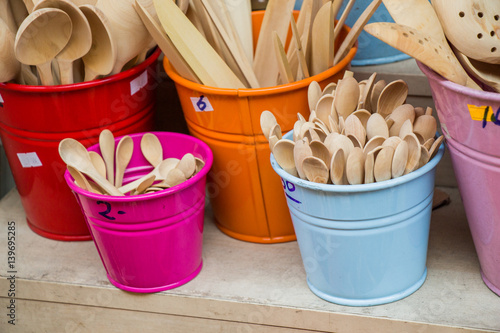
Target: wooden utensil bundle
point(71, 42)
point(426, 31)
point(343, 144)
point(216, 54)
point(91, 171)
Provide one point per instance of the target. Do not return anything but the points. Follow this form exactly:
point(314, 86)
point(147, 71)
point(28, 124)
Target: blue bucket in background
point(371, 50)
point(363, 245)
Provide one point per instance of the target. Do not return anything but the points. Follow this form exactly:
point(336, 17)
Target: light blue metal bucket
point(371, 50)
point(363, 245)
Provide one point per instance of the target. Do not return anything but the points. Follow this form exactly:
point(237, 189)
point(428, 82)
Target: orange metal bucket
point(246, 194)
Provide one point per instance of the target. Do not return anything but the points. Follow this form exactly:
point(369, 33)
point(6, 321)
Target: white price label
point(201, 104)
point(29, 160)
point(138, 83)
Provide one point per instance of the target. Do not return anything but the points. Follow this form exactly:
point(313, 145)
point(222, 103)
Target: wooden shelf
point(243, 287)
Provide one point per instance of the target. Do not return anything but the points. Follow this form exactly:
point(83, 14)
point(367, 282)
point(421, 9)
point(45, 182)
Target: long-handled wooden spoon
point(80, 41)
point(41, 36)
point(124, 151)
point(101, 57)
point(107, 147)
point(74, 154)
point(9, 65)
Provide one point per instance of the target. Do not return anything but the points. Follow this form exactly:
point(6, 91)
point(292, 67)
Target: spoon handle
point(45, 73)
point(132, 185)
point(102, 182)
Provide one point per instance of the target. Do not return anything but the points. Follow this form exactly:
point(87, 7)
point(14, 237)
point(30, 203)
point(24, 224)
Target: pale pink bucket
point(469, 122)
point(151, 242)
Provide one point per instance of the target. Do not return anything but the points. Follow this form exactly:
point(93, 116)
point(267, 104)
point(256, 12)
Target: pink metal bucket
point(151, 242)
point(471, 125)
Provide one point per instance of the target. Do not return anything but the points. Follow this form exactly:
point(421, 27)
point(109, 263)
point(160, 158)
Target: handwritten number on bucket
point(493, 118)
point(201, 104)
point(105, 212)
point(289, 187)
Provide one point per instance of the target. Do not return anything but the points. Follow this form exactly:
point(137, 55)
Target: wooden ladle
point(101, 57)
point(9, 65)
point(41, 36)
point(80, 41)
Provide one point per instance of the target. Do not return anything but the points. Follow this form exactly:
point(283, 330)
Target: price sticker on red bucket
point(484, 114)
point(29, 160)
point(201, 104)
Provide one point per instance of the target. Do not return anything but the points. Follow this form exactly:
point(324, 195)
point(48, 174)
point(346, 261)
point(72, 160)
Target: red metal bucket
point(34, 119)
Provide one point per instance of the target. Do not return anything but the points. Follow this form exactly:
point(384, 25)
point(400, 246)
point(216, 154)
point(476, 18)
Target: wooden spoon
point(393, 95)
point(414, 153)
point(354, 127)
point(320, 151)
point(41, 36)
point(101, 57)
point(346, 96)
point(423, 48)
point(315, 170)
point(398, 116)
point(144, 185)
point(152, 149)
point(81, 181)
point(124, 151)
point(175, 177)
point(355, 167)
point(400, 159)
point(129, 33)
point(74, 154)
point(283, 153)
point(435, 147)
point(375, 94)
point(373, 143)
point(301, 150)
point(382, 169)
point(488, 74)
point(80, 41)
point(337, 168)
point(425, 127)
point(98, 163)
point(376, 126)
point(160, 172)
point(370, 164)
point(314, 93)
point(107, 146)
point(9, 65)
point(324, 108)
point(267, 122)
point(187, 165)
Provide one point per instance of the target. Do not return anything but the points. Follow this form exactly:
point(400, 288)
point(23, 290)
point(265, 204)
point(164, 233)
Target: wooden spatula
point(201, 57)
point(423, 48)
point(276, 18)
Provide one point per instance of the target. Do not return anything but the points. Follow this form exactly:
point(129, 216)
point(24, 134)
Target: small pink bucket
point(470, 121)
point(151, 242)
